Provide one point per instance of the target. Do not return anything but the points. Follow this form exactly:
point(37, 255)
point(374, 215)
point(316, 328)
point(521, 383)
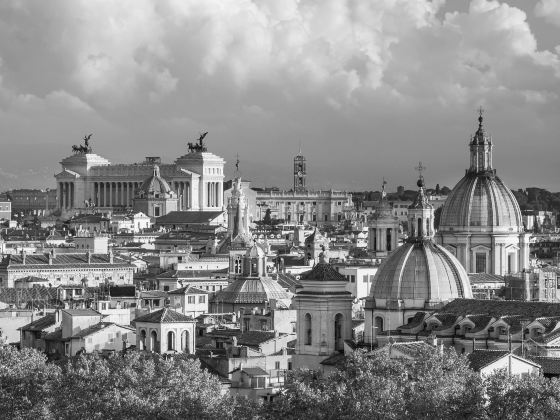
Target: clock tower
point(299, 173)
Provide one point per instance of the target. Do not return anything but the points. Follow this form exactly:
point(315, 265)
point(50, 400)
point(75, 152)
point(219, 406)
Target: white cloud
point(549, 10)
point(267, 71)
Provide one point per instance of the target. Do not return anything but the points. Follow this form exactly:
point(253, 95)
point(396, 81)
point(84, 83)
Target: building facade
point(88, 179)
point(301, 205)
point(481, 222)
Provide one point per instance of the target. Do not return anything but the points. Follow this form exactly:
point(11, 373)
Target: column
point(60, 195)
point(71, 195)
point(111, 193)
point(187, 196)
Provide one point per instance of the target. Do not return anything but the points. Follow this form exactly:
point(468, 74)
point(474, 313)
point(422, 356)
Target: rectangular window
point(166, 288)
point(366, 278)
point(202, 299)
point(480, 262)
point(190, 300)
point(276, 365)
point(290, 365)
point(352, 278)
point(314, 217)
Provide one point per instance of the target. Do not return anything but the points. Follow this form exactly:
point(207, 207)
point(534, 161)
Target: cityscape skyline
point(367, 97)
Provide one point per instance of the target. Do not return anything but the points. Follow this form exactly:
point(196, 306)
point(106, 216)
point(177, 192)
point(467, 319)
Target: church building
point(481, 221)
point(418, 276)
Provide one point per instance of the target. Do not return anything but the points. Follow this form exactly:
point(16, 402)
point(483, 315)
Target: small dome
point(421, 270)
point(155, 186)
point(481, 200)
point(323, 272)
point(252, 290)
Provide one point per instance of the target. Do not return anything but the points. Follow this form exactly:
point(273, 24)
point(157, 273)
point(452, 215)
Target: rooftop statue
point(198, 146)
point(82, 149)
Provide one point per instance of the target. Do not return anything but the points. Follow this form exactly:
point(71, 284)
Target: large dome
point(481, 202)
point(421, 270)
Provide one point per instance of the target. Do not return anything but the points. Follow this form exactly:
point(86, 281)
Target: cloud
point(384, 77)
point(549, 10)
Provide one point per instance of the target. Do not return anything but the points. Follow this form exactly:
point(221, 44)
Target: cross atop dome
point(420, 168)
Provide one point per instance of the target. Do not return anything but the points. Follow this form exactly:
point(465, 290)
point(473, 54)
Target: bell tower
point(299, 173)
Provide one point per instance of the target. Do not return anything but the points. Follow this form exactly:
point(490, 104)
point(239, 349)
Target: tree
point(435, 385)
point(26, 382)
point(137, 385)
point(518, 397)
point(267, 219)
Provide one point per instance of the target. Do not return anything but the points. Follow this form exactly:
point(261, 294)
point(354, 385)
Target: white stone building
point(88, 179)
point(481, 222)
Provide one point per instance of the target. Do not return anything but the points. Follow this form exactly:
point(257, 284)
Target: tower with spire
point(300, 172)
point(480, 149)
point(383, 228)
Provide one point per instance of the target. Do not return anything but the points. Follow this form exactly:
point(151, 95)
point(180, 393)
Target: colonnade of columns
point(121, 194)
point(183, 190)
point(214, 194)
point(66, 191)
point(114, 194)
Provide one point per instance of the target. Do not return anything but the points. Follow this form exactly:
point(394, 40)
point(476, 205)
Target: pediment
point(67, 174)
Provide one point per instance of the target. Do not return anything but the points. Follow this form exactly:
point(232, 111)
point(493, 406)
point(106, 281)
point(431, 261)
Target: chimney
point(88, 254)
point(57, 316)
point(111, 257)
point(50, 255)
point(23, 256)
point(284, 351)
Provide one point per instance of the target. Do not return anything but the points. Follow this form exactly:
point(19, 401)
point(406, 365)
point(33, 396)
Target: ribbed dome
point(481, 202)
point(252, 290)
point(421, 270)
point(155, 186)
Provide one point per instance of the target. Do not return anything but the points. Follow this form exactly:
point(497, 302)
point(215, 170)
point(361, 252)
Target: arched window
point(185, 337)
point(419, 227)
point(378, 324)
point(153, 342)
point(388, 237)
point(142, 342)
point(308, 330)
point(170, 340)
point(428, 226)
point(338, 342)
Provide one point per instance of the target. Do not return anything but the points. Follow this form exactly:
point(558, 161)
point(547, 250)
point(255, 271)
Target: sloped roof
point(499, 308)
point(287, 281)
point(65, 260)
point(92, 329)
point(40, 324)
point(323, 272)
point(188, 290)
point(549, 365)
point(13, 296)
point(188, 217)
point(254, 338)
point(416, 320)
point(479, 359)
point(256, 371)
point(477, 278)
point(164, 316)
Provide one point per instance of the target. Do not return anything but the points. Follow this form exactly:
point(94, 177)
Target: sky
point(367, 88)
